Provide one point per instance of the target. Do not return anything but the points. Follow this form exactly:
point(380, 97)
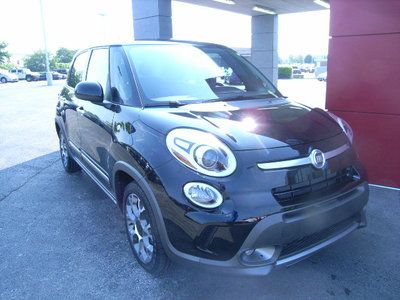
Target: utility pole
point(103, 21)
point(49, 76)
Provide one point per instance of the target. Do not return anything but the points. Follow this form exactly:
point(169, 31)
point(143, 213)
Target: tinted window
point(78, 70)
point(98, 68)
point(123, 89)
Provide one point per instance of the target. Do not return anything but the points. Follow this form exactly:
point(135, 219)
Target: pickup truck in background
point(24, 73)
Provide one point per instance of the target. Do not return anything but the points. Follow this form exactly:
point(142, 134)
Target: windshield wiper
point(172, 103)
point(244, 97)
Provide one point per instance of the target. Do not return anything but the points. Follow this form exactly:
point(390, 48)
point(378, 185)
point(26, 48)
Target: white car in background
point(6, 76)
point(322, 76)
point(24, 73)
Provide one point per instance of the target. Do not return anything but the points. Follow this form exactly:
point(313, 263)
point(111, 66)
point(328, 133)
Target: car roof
point(155, 42)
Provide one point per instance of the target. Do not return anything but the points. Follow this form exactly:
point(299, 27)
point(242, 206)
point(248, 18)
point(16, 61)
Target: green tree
point(37, 61)
point(64, 55)
point(4, 54)
point(298, 59)
point(285, 72)
point(308, 59)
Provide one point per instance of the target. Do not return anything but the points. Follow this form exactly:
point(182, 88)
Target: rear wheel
point(68, 162)
point(3, 80)
point(28, 78)
point(142, 231)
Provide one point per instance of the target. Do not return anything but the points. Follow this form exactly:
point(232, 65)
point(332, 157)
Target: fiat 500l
point(209, 163)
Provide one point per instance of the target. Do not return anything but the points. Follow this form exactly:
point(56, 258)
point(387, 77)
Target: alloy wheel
point(139, 228)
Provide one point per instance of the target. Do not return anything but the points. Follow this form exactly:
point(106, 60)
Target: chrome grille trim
point(301, 161)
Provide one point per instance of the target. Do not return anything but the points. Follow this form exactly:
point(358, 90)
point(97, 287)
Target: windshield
point(186, 73)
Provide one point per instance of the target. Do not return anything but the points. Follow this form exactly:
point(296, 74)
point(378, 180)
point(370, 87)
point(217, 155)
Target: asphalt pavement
point(61, 237)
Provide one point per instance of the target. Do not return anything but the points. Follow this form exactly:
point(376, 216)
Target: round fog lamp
point(202, 194)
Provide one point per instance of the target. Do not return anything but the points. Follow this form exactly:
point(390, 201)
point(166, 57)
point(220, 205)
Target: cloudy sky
point(79, 24)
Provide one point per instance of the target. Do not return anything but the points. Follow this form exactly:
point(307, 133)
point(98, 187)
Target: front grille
point(307, 184)
point(306, 242)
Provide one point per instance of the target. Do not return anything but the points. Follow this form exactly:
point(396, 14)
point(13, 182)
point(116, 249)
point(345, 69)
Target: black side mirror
point(90, 91)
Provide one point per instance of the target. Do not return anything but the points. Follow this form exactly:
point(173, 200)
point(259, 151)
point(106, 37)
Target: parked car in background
point(322, 76)
point(58, 75)
point(55, 75)
point(225, 174)
point(297, 74)
point(25, 74)
point(62, 71)
point(6, 76)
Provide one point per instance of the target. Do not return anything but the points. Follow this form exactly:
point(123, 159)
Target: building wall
point(364, 81)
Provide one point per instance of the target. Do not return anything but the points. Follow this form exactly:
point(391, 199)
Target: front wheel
point(28, 78)
point(3, 80)
point(142, 231)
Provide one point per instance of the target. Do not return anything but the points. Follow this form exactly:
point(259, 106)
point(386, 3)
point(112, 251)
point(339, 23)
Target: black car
point(209, 163)
point(55, 76)
point(62, 71)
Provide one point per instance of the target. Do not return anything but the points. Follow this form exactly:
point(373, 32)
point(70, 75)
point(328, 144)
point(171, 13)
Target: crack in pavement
point(29, 179)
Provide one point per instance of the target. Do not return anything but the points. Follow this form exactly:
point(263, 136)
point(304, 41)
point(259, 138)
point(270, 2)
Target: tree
point(37, 61)
point(298, 59)
point(4, 54)
point(64, 55)
point(308, 59)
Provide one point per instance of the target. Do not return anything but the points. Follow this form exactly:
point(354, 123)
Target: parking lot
point(60, 236)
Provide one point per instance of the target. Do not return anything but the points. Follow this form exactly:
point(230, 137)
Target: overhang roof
point(246, 6)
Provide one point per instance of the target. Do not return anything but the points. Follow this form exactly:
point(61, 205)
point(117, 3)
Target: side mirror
point(90, 91)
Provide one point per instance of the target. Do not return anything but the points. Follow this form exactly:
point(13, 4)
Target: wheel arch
point(120, 168)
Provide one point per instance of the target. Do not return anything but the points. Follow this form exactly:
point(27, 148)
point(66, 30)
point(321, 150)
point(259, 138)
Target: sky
point(82, 23)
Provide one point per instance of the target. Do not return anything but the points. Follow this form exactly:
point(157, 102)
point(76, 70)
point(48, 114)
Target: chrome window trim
point(301, 161)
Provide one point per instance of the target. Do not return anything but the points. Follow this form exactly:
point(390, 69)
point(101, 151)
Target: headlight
point(201, 151)
point(344, 125)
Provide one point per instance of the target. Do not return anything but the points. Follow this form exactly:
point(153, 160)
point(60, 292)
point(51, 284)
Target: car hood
point(249, 124)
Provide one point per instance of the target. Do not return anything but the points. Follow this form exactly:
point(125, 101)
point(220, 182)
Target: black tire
point(3, 80)
point(158, 262)
point(28, 78)
point(68, 162)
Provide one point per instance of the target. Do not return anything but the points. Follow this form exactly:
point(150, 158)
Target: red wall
point(364, 81)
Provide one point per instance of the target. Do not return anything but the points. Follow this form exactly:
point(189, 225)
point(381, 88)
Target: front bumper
point(293, 235)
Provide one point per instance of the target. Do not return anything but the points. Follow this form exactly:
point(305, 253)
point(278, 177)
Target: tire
point(3, 80)
point(142, 231)
point(28, 78)
point(68, 162)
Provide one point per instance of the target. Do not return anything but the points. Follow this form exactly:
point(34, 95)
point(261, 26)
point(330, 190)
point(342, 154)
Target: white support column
point(264, 45)
point(152, 19)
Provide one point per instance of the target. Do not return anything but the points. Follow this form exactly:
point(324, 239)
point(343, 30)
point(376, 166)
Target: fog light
point(258, 256)
point(202, 194)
